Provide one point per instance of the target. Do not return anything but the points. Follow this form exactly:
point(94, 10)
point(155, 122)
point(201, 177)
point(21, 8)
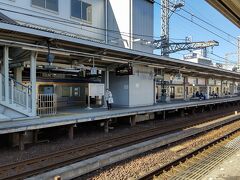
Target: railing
point(47, 104)
point(19, 95)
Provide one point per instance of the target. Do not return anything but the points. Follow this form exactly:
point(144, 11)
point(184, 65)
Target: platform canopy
point(229, 8)
point(68, 49)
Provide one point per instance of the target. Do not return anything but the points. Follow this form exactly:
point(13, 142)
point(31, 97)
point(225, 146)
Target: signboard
point(124, 70)
point(192, 80)
point(93, 71)
point(178, 79)
point(95, 89)
point(201, 81)
point(211, 81)
point(218, 82)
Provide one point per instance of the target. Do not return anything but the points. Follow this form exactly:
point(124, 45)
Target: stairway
point(7, 114)
point(15, 101)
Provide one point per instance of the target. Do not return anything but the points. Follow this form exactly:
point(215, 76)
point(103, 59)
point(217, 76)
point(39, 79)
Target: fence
point(47, 104)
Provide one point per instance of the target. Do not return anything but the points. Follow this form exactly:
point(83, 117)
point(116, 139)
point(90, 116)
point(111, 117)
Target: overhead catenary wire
point(89, 26)
point(190, 20)
point(204, 21)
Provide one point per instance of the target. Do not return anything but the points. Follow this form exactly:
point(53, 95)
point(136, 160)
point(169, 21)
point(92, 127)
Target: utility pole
point(168, 7)
point(165, 26)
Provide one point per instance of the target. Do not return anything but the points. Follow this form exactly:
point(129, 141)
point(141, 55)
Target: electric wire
point(81, 24)
point(197, 24)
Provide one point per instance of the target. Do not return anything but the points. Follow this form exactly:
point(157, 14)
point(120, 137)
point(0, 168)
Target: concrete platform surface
point(78, 115)
point(229, 169)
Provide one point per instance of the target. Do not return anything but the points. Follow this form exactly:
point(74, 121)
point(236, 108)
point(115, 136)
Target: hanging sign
point(95, 89)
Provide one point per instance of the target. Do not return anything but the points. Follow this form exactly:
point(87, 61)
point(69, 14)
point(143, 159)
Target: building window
point(46, 4)
point(81, 10)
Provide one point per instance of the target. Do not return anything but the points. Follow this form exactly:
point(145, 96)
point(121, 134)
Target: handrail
point(27, 87)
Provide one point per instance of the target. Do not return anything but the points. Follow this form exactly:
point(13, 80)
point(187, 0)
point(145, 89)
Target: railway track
point(41, 164)
point(197, 163)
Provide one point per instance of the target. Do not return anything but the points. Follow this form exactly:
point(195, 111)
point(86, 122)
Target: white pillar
point(18, 74)
point(1, 93)
point(106, 85)
point(33, 79)
point(154, 91)
point(184, 88)
point(207, 95)
point(221, 89)
point(107, 78)
point(6, 72)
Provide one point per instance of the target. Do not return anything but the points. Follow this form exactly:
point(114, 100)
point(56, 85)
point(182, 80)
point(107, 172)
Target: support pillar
point(221, 89)
point(21, 141)
point(164, 115)
point(106, 126)
point(207, 95)
point(184, 88)
point(194, 111)
point(132, 120)
point(211, 107)
point(33, 79)
point(6, 72)
point(71, 132)
point(106, 84)
point(1, 88)
point(35, 136)
point(182, 113)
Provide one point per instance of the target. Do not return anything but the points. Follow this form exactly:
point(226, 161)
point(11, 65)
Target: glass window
point(47, 4)
point(52, 5)
point(86, 11)
point(81, 10)
point(76, 9)
point(40, 3)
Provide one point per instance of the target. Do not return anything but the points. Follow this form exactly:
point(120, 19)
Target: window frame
point(81, 19)
point(45, 7)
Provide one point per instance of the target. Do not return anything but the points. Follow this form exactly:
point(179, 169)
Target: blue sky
point(180, 28)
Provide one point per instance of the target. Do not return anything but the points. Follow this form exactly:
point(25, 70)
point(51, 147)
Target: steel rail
point(183, 158)
point(41, 164)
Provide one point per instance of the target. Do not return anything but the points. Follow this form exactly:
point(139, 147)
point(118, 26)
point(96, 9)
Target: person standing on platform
point(109, 99)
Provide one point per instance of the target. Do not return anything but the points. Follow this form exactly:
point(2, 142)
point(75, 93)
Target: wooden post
point(182, 113)
point(71, 132)
point(21, 141)
point(164, 115)
point(210, 107)
point(132, 120)
point(35, 136)
point(106, 126)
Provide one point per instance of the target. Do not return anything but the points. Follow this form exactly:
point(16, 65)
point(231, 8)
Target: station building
point(59, 57)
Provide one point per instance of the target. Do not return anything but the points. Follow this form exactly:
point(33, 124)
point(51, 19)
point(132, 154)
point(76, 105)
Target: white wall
point(134, 19)
point(141, 86)
point(130, 17)
point(119, 19)
point(64, 14)
point(143, 15)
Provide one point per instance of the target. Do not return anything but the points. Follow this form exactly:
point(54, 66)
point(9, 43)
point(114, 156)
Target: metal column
point(33, 78)
point(6, 72)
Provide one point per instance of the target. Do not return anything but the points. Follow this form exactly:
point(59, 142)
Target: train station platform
point(76, 115)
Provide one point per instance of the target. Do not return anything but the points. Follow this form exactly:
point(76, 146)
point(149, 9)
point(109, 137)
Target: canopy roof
point(229, 8)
